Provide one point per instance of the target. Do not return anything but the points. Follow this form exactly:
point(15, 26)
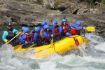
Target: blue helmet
point(78, 23)
point(46, 26)
point(25, 29)
point(77, 26)
point(55, 22)
point(44, 22)
point(64, 20)
point(37, 29)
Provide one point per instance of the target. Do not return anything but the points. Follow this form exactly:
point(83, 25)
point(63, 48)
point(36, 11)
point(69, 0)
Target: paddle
point(52, 37)
point(90, 28)
point(13, 38)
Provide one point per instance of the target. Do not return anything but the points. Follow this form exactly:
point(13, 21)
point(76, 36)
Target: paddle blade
point(90, 29)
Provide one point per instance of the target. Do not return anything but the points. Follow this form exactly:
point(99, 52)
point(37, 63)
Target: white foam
point(100, 47)
point(8, 60)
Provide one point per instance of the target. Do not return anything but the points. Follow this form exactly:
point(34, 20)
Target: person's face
point(74, 21)
point(55, 24)
point(64, 23)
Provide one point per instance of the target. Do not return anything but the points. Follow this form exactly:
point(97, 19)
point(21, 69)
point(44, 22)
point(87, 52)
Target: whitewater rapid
point(94, 59)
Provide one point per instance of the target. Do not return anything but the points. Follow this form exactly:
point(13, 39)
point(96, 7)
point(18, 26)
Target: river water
point(94, 59)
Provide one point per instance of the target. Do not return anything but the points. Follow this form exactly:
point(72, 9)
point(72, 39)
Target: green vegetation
point(103, 2)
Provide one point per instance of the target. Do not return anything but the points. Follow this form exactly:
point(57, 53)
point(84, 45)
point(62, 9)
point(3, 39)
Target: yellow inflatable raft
point(61, 47)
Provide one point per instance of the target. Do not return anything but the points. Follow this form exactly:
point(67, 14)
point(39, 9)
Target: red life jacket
point(65, 28)
point(32, 35)
point(56, 30)
point(74, 31)
point(28, 37)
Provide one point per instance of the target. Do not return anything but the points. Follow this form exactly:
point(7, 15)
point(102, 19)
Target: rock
point(36, 10)
point(54, 13)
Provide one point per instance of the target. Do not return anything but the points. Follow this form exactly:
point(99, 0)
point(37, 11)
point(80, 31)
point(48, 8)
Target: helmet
point(78, 23)
point(44, 22)
point(9, 25)
point(25, 29)
point(37, 29)
point(64, 20)
point(73, 25)
point(64, 17)
point(46, 26)
point(55, 22)
point(76, 26)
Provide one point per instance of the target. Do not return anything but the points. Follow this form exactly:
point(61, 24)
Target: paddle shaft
point(84, 29)
point(13, 38)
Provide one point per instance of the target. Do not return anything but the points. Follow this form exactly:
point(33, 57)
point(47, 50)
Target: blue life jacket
point(22, 38)
point(36, 36)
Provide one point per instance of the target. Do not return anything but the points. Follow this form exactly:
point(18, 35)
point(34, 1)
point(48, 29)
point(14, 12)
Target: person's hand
point(26, 42)
point(5, 40)
point(52, 35)
point(84, 28)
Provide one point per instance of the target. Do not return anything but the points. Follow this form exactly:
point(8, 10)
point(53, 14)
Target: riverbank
point(33, 12)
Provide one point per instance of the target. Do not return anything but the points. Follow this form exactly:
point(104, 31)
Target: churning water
point(94, 59)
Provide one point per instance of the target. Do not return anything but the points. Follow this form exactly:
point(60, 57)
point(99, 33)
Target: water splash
point(93, 59)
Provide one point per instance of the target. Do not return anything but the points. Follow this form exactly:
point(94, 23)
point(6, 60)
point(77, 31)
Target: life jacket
point(28, 37)
point(49, 32)
point(10, 35)
point(46, 41)
point(32, 35)
point(22, 38)
point(36, 36)
point(74, 31)
point(65, 28)
point(47, 36)
point(41, 33)
point(56, 30)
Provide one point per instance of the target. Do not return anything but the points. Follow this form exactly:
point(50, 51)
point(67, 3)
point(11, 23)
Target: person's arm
point(79, 28)
point(4, 36)
point(15, 31)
